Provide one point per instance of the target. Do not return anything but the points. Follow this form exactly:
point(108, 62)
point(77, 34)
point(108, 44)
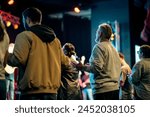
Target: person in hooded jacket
point(39, 57)
point(4, 43)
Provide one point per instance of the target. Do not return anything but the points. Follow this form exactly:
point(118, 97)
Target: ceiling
point(54, 7)
point(47, 6)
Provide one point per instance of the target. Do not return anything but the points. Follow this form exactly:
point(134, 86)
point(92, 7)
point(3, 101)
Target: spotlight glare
point(16, 26)
point(8, 23)
point(11, 2)
point(76, 9)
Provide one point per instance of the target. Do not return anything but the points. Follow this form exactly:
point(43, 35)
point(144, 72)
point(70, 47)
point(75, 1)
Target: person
point(126, 90)
point(104, 65)
point(4, 42)
point(70, 88)
point(140, 77)
point(9, 74)
point(38, 55)
point(10, 86)
point(84, 82)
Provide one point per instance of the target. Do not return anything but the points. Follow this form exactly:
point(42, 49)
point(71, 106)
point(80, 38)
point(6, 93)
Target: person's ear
point(100, 34)
point(141, 53)
point(28, 21)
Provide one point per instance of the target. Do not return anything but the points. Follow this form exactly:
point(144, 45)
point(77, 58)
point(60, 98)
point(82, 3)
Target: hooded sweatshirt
point(39, 56)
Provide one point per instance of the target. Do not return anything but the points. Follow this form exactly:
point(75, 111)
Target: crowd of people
point(48, 71)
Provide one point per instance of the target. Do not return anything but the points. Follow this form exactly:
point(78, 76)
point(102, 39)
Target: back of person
point(38, 55)
point(140, 77)
point(105, 66)
point(106, 79)
point(4, 43)
point(125, 89)
point(70, 88)
point(44, 61)
point(3, 48)
point(143, 86)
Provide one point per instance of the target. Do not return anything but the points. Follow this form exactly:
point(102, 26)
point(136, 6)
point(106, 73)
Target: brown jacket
point(39, 63)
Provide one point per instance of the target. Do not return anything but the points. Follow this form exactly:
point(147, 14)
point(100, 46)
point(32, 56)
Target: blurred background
point(76, 21)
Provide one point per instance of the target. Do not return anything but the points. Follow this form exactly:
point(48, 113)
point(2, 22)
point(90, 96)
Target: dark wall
point(137, 17)
point(56, 25)
point(114, 10)
point(77, 30)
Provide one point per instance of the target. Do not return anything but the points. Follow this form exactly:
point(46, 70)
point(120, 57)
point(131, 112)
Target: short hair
point(1, 33)
point(69, 49)
point(106, 30)
point(145, 49)
point(121, 55)
point(33, 13)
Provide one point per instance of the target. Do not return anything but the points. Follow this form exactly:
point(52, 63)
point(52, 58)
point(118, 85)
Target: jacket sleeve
point(21, 50)
point(136, 74)
point(65, 61)
point(96, 59)
point(6, 37)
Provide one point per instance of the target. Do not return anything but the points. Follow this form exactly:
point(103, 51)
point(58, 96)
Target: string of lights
point(10, 19)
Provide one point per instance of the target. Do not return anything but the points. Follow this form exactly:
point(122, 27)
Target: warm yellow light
point(76, 9)
point(16, 26)
point(112, 37)
point(11, 2)
point(8, 23)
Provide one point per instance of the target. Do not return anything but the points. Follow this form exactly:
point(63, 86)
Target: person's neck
point(33, 24)
point(104, 40)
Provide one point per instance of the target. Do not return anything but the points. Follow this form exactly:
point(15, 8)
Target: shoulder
point(99, 46)
point(6, 37)
point(24, 33)
point(138, 65)
point(56, 42)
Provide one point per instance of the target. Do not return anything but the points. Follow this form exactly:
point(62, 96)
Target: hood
point(45, 33)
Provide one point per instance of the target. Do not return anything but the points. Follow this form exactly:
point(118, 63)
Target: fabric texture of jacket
point(70, 88)
point(105, 67)
point(3, 49)
point(140, 78)
point(39, 57)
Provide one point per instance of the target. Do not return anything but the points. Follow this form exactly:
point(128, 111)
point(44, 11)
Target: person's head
point(103, 32)
point(31, 16)
point(144, 51)
point(121, 56)
point(69, 49)
point(1, 33)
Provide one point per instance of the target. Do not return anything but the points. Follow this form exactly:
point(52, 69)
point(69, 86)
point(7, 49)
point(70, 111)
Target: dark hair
point(69, 49)
point(1, 33)
point(33, 13)
point(145, 49)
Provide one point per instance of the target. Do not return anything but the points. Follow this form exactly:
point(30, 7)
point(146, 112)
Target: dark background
point(80, 29)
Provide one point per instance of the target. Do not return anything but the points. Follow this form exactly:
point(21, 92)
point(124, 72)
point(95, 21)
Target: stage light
point(76, 9)
point(8, 23)
point(112, 37)
point(16, 26)
point(10, 19)
point(11, 2)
